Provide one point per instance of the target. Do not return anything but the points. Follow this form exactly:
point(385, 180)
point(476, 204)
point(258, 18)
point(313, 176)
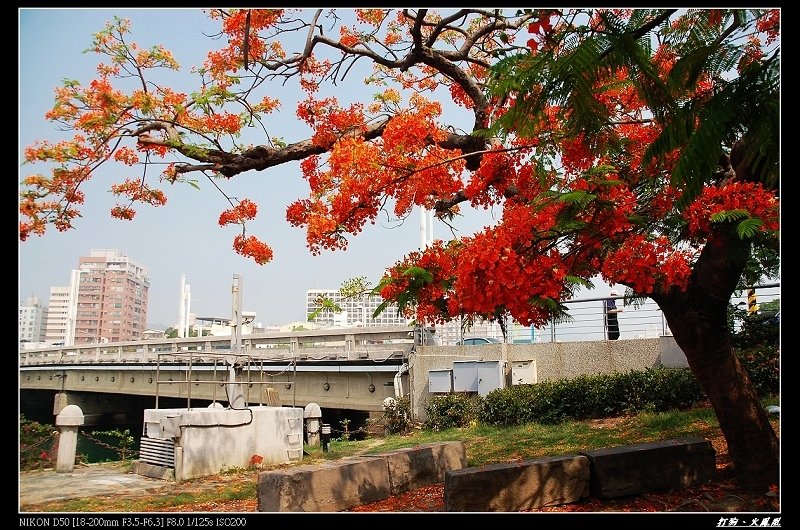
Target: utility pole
point(182, 309)
point(425, 227)
point(236, 320)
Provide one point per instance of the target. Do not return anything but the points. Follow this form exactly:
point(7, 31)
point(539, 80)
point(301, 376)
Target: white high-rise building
point(354, 312)
point(55, 327)
point(31, 319)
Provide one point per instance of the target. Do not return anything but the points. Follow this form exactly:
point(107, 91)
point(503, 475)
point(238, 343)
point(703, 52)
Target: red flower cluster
point(139, 191)
point(750, 198)
point(245, 210)
point(648, 265)
point(125, 213)
point(253, 248)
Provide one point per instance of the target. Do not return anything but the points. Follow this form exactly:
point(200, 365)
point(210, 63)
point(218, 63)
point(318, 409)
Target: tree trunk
point(698, 320)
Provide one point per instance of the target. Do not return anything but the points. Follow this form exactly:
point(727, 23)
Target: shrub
point(757, 345)
point(450, 410)
point(762, 363)
point(119, 441)
point(756, 330)
point(397, 416)
point(37, 444)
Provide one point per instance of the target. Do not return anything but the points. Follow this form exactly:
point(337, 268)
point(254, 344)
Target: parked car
point(478, 341)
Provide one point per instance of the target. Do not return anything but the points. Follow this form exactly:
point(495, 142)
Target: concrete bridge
point(351, 369)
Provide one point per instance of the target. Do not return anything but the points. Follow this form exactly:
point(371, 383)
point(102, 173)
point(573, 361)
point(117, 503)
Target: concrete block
point(517, 486)
point(329, 487)
point(423, 465)
point(152, 470)
point(650, 467)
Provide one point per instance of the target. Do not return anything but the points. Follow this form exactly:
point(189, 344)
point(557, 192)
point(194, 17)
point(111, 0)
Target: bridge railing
point(374, 343)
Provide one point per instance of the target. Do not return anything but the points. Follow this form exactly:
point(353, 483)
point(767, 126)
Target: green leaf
point(381, 308)
point(577, 280)
point(577, 197)
point(749, 228)
point(729, 215)
point(418, 273)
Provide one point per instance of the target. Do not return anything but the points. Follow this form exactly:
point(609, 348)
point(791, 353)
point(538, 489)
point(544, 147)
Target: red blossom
point(245, 210)
point(749, 197)
point(253, 248)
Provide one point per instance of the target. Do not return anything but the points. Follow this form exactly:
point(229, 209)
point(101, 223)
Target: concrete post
point(312, 414)
point(69, 419)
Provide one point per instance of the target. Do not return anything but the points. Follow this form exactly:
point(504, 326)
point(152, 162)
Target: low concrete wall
point(517, 486)
point(650, 467)
point(672, 355)
point(507, 487)
point(555, 360)
point(153, 471)
point(604, 473)
point(351, 482)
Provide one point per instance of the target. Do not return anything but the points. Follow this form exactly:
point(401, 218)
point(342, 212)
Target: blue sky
point(183, 236)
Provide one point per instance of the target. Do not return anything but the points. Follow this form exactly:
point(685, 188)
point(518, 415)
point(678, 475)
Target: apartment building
point(354, 311)
point(31, 320)
point(106, 301)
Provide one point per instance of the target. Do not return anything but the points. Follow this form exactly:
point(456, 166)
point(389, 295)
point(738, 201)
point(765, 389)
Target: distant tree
point(171, 333)
point(638, 145)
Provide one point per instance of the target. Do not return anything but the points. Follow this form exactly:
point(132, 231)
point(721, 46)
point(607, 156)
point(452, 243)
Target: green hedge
point(591, 396)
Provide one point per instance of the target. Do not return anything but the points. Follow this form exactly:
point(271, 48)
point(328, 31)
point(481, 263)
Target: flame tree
point(637, 145)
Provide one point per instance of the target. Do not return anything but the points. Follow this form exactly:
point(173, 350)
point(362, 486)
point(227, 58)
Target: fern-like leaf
point(729, 215)
point(749, 228)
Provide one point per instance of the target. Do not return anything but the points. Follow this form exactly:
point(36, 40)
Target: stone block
point(423, 465)
point(517, 486)
point(328, 487)
point(650, 467)
point(152, 470)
